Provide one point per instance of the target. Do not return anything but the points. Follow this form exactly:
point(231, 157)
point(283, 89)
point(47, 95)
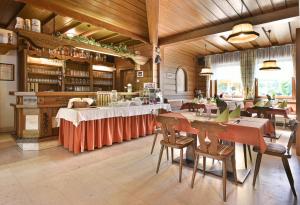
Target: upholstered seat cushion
point(273, 149)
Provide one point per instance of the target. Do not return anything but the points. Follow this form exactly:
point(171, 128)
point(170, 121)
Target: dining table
point(244, 130)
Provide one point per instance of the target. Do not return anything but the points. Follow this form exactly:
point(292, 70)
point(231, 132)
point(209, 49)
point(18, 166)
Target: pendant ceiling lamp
point(206, 71)
point(269, 65)
point(242, 32)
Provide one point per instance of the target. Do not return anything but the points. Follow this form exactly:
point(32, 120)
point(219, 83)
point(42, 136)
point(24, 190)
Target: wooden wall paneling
point(172, 59)
point(298, 89)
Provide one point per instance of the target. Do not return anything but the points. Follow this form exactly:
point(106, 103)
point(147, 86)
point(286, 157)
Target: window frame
point(279, 97)
point(216, 89)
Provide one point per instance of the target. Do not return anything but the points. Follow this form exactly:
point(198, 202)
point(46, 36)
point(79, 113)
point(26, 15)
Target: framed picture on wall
point(140, 74)
point(7, 72)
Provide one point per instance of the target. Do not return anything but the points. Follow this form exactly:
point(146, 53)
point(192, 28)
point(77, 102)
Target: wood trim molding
point(259, 20)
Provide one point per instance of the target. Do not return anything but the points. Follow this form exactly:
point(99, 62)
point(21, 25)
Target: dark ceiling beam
point(152, 8)
point(63, 9)
point(258, 20)
point(49, 18)
point(65, 29)
point(13, 18)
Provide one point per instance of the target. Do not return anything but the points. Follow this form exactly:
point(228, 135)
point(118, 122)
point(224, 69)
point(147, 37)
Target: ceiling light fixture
point(242, 32)
point(269, 65)
point(206, 71)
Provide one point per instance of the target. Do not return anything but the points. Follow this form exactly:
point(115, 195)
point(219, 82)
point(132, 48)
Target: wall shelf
point(5, 47)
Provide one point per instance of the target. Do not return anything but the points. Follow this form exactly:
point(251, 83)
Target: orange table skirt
point(89, 135)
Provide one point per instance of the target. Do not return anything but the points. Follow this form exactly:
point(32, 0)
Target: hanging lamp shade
point(206, 72)
point(269, 65)
point(242, 33)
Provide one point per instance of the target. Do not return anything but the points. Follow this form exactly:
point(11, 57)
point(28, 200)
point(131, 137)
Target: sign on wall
point(7, 72)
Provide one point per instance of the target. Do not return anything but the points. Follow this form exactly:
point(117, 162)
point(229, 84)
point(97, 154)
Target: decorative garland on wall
point(120, 48)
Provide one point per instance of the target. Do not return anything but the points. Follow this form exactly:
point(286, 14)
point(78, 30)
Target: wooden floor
point(125, 174)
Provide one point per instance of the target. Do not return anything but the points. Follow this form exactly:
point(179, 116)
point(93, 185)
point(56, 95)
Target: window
point(228, 76)
point(181, 80)
point(278, 83)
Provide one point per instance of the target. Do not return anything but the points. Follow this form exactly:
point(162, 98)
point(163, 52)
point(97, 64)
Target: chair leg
point(159, 158)
point(233, 164)
point(204, 165)
point(154, 141)
point(257, 166)
point(245, 155)
point(180, 164)
point(289, 174)
point(249, 151)
point(195, 170)
point(167, 153)
point(224, 179)
point(172, 154)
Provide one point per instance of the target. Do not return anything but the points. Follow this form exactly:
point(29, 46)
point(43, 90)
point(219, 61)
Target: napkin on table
point(224, 116)
point(236, 113)
point(259, 104)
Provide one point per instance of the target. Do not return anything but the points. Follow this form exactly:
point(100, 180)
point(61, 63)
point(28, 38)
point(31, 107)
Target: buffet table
point(89, 128)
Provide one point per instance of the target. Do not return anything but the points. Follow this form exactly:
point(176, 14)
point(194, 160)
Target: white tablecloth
point(85, 114)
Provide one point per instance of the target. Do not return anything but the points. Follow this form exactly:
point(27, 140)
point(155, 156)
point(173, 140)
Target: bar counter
point(35, 113)
point(90, 128)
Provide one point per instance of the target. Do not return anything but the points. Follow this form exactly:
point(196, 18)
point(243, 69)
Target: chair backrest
point(292, 139)
point(221, 104)
point(189, 106)
point(168, 126)
point(208, 135)
point(246, 113)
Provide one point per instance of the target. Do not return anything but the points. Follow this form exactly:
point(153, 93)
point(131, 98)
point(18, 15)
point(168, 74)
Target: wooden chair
point(158, 131)
point(172, 139)
point(266, 112)
point(221, 104)
point(211, 147)
point(278, 150)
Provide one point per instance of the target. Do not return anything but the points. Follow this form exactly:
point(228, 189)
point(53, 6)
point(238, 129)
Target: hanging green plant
point(120, 48)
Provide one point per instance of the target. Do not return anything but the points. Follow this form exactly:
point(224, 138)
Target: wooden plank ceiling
point(179, 18)
point(125, 21)
point(113, 11)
